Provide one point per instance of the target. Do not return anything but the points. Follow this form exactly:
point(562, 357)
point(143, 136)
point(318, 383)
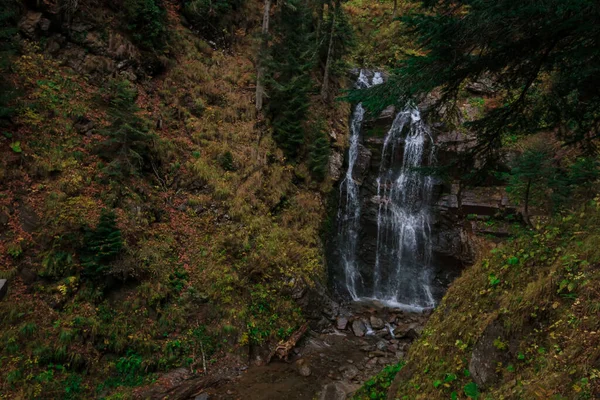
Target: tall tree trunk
point(395, 9)
point(325, 87)
point(526, 208)
point(320, 19)
point(260, 74)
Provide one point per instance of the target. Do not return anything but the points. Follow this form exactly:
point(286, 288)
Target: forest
point(299, 199)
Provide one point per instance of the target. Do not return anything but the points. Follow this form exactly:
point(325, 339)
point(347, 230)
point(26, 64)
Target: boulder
point(410, 331)
point(381, 345)
point(335, 165)
point(349, 372)
point(482, 87)
point(29, 23)
point(363, 162)
point(303, 367)
point(376, 323)
point(486, 356)
point(337, 391)
point(359, 328)
point(3, 288)
point(341, 323)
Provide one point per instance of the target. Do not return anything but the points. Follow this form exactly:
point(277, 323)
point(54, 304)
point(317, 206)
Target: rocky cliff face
point(458, 212)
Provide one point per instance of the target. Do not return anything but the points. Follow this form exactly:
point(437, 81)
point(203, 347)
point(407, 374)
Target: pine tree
point(148, 22)
point(543, 56)
point(9, 13)
point(289, 81)
point(127, 146)
point(319, 150)
point(101, 246)
point(530, 177)
point(340, 40)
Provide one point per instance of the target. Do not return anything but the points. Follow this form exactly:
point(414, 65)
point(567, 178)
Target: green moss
point(540, 288)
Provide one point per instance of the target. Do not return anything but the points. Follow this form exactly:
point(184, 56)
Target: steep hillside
point(522, 323)
point(148, 220)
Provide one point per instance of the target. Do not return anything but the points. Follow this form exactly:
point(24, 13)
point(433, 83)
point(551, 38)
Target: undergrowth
point(148, 224)
point(539, 294)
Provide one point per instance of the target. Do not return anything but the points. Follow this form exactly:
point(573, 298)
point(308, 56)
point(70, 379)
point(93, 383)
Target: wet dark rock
point(44, 24)
point(202, 396)
point(3, 288)
point(317, 305)
point(363, 162)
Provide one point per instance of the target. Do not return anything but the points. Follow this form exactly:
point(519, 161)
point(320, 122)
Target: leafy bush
point(377, 387)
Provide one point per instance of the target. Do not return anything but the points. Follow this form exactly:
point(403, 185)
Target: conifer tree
point(128, 137)
point(543, 57)
point(340, 40)
point(101, 246)
point(318, 156)
point(8, 29)
point(291, 62)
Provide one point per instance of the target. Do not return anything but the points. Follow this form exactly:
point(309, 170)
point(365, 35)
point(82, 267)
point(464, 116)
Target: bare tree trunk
point(325, 87)
point(395, 9)
point(526, 208)
point(260, 90)
point(320, 19)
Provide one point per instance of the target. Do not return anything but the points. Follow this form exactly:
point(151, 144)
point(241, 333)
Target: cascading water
point(401, 274)
point(404, 251)
point(349, 212)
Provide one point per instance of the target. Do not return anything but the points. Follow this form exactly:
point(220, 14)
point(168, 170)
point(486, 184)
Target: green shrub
point(226, 161)
point(377, 387)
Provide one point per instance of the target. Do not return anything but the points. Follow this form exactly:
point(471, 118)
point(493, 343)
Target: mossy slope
point(530, 308)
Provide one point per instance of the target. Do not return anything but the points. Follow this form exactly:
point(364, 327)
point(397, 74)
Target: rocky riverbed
point(332, 364)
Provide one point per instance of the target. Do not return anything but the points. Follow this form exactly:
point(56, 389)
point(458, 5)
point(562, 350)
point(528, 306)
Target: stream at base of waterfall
point(402, 272)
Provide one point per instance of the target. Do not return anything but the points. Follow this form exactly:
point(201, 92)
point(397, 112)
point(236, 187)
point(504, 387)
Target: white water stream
point(401, 276)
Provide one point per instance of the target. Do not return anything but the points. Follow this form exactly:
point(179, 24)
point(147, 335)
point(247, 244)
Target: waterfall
point(404, 251)
point(401, 274)
point(349, 212)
